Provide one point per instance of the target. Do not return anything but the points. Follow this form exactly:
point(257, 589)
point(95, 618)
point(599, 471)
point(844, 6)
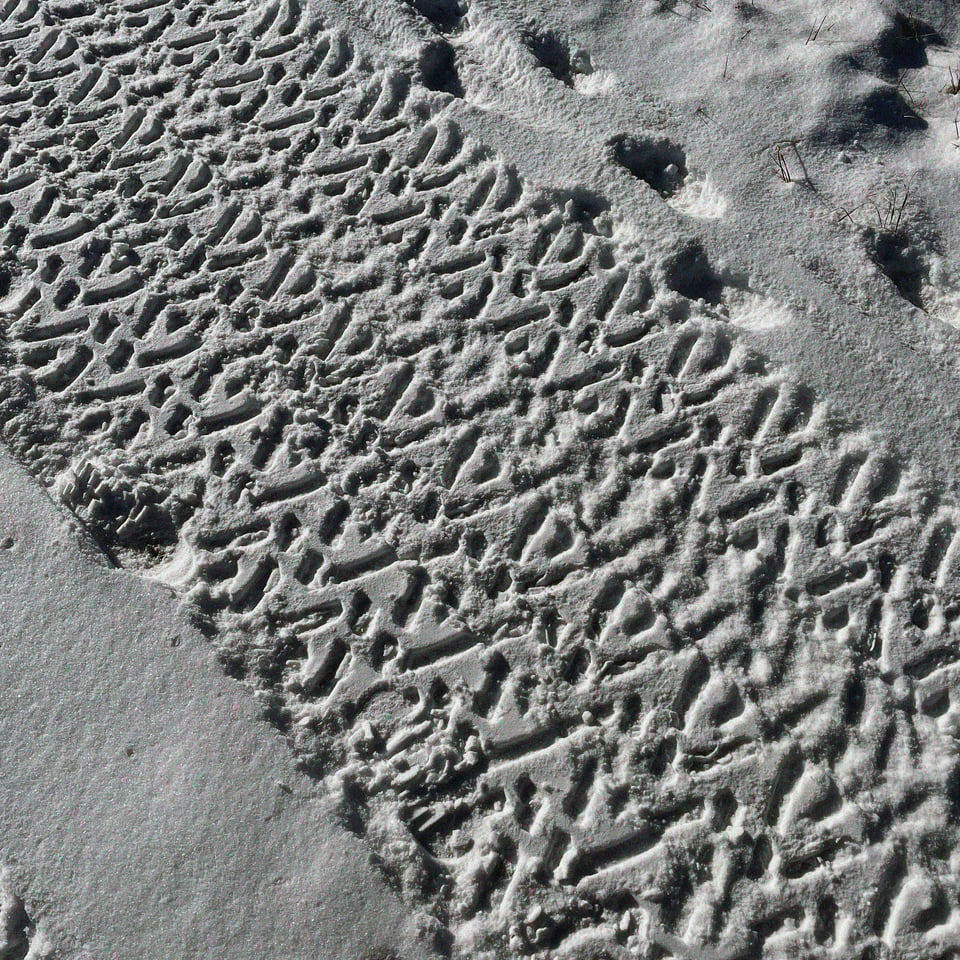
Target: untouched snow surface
point(145, 811)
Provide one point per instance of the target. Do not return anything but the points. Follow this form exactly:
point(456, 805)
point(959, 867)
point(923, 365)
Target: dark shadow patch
point(745, 10)
point(438, 68)
point(553, 52)
point(18, 928)
point(580, 203)
point(661, 164)
point(885, 107)
point(952, 791)
point(903, 45)
point(121, 515)
point(880, 113)
point(586, 204)
point(351, 810)
point(445, 15)
point(900, 261)
point(688, 272)
point(7, 271)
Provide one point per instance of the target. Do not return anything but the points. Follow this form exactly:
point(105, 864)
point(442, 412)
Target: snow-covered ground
point(544, 415)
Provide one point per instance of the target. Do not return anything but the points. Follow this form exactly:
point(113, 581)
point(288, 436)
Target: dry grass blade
point(902, 86)
point(783, 165)
point(814, 31)
point(891, 207)
point(953, 87)
point(783, 168)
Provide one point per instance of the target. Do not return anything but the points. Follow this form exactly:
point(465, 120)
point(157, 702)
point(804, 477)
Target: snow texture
point(547, 412)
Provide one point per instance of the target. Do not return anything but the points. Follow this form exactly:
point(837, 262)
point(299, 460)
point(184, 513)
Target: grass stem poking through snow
point(703, 116)
point(902, 86)
point(815, 31)
point(892, 206)
point(782, 165)
point(913, 30)
point(953, 87)
point(889, 208)
point(667, 6)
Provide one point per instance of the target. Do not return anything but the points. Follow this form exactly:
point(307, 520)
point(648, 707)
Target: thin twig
point(846, 214)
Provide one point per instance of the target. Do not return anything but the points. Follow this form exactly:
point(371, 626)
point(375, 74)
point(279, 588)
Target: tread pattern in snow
point(610, 634)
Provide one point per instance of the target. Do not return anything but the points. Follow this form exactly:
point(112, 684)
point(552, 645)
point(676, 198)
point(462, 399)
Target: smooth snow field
point(479, 479)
